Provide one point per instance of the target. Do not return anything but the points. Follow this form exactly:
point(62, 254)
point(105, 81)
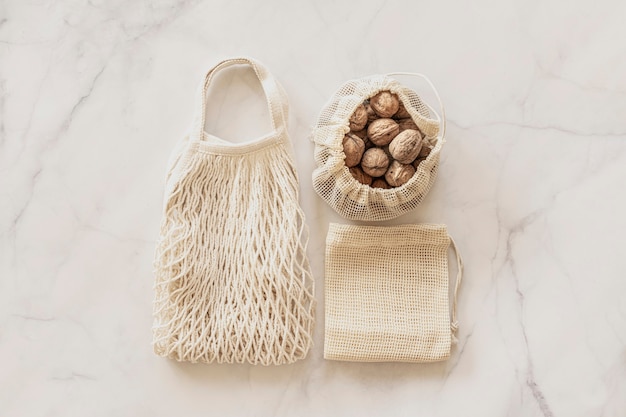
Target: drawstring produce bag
point(233, 282)
point(332, 178)
point(386, 293)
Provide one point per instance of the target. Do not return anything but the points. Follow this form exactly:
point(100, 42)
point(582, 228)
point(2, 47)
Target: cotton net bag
point(233, 283)
point(332, 179)
point(387, 293)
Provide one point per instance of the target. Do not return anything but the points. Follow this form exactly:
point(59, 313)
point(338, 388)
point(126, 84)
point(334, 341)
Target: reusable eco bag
point(332, 179)
point(386, 293)
point(233, 283)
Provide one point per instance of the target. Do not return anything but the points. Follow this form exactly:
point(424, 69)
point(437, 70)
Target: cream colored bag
point(387, 293)
point(233, 282)
point(332, 179)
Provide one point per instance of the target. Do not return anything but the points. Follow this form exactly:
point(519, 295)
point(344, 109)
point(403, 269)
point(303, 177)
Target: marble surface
point(94, 95)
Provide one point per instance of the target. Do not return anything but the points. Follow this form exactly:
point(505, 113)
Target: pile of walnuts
point(384, 145)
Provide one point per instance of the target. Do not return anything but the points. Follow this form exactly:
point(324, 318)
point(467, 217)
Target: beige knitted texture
point(233, 283)
point(386, 293)
point(332, 179)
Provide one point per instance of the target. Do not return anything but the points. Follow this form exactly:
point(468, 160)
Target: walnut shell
point(358, 120)
point(402, 112)
point(399, 173)
point(381, 183)
point(353, 147)
point(375, 162)
point(382, 131)
point(360, 133)
point(385, 103)
point(430, 141)
point(371, 114)
point(360, 176)
point(417, 162)
point(426, 148)
point(407, 124)
point(406, 146)
point(386, 149)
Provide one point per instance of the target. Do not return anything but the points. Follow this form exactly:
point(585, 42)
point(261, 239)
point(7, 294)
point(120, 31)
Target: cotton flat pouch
point(386, 293)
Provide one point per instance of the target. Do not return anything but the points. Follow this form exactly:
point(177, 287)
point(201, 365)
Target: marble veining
point(94, 95)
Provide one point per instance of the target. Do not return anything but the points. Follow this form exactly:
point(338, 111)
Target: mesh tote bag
point(386, 293)
point(332, 179)
point(233, 283)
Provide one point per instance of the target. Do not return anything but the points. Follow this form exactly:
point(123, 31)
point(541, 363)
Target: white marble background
point(94, 95)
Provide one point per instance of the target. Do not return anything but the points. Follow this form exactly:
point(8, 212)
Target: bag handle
point(454, 324)
point(441, 119)
point(275, 99)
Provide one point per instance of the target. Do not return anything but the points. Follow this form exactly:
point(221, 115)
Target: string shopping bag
point(233, 283)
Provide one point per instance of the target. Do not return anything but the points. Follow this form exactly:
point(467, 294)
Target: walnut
point(371, 114)
point(382, 131)
point(360, 176)
point(381, 183)
point(417, 162)
point(386, 149)
point(426, 148)
point(375, 162)
point(368, 143)
point(406, 146)
point(360, 133)
point(353, 147)
point(358, 120)
point(399, 173)
point(430, 141)
point(385, 103)
point(402, 112)
point(407, 124)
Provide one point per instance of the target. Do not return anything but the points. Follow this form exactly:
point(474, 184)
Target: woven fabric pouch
point(387, 293)
point(233, 282)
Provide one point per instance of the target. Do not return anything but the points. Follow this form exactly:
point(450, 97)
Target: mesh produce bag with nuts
point(386, 293)
point(377, 147)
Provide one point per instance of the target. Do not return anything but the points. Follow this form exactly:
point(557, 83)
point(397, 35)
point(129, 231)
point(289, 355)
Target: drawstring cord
point(454, 324)
point(441, 118)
